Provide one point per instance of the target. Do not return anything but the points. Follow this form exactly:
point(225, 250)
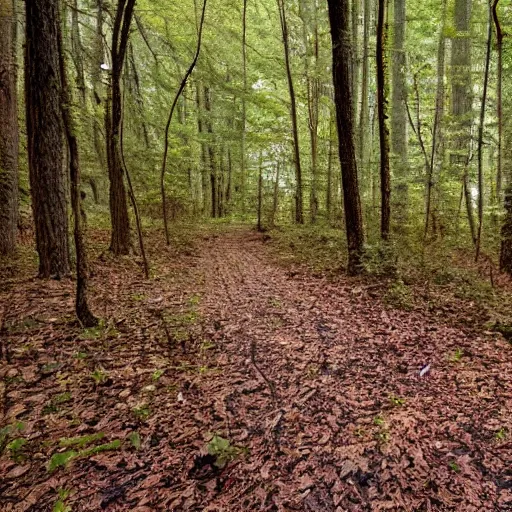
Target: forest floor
point(229, 382)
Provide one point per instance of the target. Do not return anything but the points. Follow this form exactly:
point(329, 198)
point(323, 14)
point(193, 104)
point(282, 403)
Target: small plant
point(81, 442)
point(399, 295)
point(9, 430)
point(378, 420)
point(222, 450)
point(134, 438)
point(207, 345)
point(156, 375)
point(397, 402)
point(16, 447)
point(457, 356)
point(99, 376)
point(359, 432)
point(81, 355)
point(454, 466)
point(501, 435)
point(194, 300)
point(142, 412)
point(138, 297)
point(61, 459)
point(60, 504)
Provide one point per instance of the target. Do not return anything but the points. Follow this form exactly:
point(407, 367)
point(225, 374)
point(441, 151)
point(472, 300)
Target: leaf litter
point(226, 382)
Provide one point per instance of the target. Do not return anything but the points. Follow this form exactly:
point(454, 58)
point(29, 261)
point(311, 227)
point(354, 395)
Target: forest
point(255, 255)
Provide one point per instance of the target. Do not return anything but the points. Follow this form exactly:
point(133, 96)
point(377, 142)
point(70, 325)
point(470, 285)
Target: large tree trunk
point(340, 34)
point(120, 242)
point(398, 111)
point(299, 203)
point(382, 101)
point(9, 129)
point(462, 102)
point(45, 136)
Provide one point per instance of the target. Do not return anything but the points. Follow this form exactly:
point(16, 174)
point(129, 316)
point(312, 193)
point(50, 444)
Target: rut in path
point(354, 423)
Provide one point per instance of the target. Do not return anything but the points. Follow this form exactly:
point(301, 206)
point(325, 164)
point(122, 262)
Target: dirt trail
point(353, 422)
point(315, 385)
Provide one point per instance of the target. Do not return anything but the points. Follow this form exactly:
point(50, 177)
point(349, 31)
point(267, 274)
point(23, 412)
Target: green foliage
point(396, 401)
point(60, 460)
point(16, 448)
point(142, 412)
point(223, 451)
point(80, 442)
point(99, 376)
point(399, 295)
point(135, 439)
point(60, 504)
point(155, 377)
point(458, 354)
point(454, 466)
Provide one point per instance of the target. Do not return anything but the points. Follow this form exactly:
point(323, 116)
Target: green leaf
point(60, 459)
point(134, 438)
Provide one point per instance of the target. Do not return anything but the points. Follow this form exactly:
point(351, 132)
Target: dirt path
point(315, 385)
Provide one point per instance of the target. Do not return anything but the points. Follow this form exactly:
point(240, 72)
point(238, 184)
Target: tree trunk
point(481, 137)
point(398, 112)
point(276, 194)
point(437, 132)
point(260, 192)
point(45, 136)
point(341, 51)
point(83, 313)
point(364, 119)
point(313, 94)
point(120, 241)
point(77, 51)
point(211, 153)
point(499, 99)
point(299, 203)
point(462, 102)
point(385, 178)
point(243, 170)
point(9, 130)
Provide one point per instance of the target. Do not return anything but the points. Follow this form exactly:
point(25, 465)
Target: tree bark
point(398, 111)
point(120, 241)
point(45, 137)
point(462, 102)
point(481, 127)
point(299, 202)
point(243, 170)
point(385, 178)
point(83, 313)
point(9, 130)
point(169, 120)
point(342, 76)
point(211, 153)
point(437, 131)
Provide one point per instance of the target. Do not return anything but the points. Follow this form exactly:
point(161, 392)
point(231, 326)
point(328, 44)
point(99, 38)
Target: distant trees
point(45, 136)
point(9, 129)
